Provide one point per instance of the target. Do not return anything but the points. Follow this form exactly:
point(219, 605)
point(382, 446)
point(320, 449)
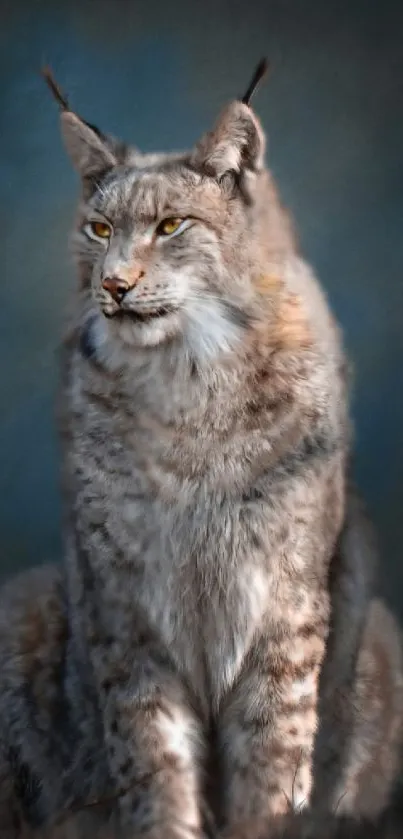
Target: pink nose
point(117, 287)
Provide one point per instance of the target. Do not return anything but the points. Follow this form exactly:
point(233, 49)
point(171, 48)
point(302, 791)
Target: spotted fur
point(205, 435)
point(52, 766)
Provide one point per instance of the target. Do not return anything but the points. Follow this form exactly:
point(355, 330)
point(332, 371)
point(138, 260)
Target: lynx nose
point(117, 287)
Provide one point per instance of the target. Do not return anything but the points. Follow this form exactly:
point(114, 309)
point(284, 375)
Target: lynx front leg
point(152, 737)
point(268, 728)
point(153, 742)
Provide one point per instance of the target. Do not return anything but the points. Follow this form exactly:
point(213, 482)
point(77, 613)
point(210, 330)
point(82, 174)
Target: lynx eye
point(169, 226)
point(99, 229)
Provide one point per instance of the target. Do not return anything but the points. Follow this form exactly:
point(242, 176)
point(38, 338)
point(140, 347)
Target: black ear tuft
point(55, 89)
point(236, 146)
point(90, 151)
point(259, 74)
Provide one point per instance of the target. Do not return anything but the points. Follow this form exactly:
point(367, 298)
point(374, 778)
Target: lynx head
point(170, 245)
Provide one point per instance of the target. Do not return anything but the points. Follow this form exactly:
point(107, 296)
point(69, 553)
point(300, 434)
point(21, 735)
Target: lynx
point(205, 437)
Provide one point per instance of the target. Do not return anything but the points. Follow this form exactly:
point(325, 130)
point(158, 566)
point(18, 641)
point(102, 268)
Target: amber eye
point(100, 229)
point(169, 226)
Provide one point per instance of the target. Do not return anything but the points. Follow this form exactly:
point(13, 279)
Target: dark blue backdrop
point(158, 73)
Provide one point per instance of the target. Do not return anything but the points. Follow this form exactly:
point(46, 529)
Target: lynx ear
point(236, 144)
point(89, 151)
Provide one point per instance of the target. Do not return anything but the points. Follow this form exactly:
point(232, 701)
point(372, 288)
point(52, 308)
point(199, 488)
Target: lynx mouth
point(141, 317)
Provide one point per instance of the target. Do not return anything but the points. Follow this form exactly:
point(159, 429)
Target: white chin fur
point(203, 324)
point(113, 340)
point(148, 334)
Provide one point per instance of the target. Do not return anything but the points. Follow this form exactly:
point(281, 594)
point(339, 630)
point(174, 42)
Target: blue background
point(157, 74)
